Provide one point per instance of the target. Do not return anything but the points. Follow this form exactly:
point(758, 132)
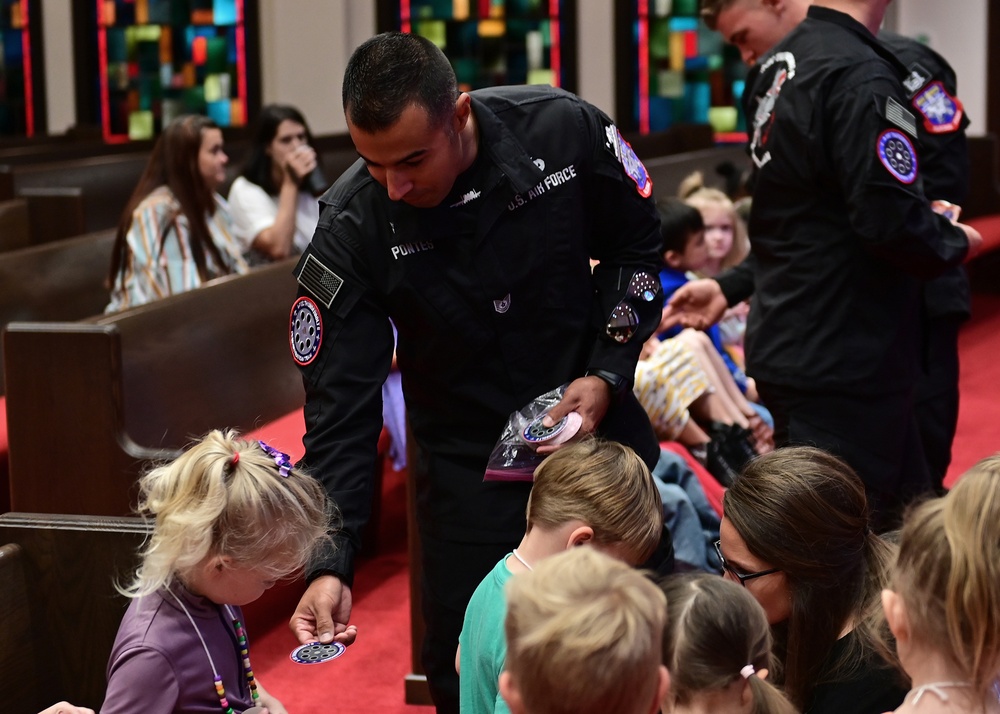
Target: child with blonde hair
point(584, 635)
point(717, 648)
point(231, 517)
point(944, 605)
point(725, 232)
point(594, 492)
point(727, 245)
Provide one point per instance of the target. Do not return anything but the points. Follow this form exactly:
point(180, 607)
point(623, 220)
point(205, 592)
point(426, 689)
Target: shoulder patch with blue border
point(633, 167)
point(941, 111)
point(896, 152)
point(305, 331)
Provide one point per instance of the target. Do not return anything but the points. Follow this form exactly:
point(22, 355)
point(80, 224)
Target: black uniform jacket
point(932, 88)
point(494, 301)
point(841, 232)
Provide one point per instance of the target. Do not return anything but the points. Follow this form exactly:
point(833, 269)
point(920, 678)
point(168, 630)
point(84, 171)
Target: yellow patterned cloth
point(666, 384)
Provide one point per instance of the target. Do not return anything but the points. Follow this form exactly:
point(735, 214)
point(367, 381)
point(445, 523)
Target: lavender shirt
point(159, 666)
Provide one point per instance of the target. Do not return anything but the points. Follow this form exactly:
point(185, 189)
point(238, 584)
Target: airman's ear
point(463, 110)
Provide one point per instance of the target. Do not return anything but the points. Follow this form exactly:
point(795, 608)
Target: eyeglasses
point(742, 577)
point(624, 320)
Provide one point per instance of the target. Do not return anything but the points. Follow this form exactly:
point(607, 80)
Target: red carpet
point(978, 433)
point(368, 678)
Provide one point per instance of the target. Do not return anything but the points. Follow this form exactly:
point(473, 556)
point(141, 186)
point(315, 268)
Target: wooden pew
point(106, 182)
point(55, 281)
point(111, 394)
point(14, 232)
point(667, 172)
point(59, 610)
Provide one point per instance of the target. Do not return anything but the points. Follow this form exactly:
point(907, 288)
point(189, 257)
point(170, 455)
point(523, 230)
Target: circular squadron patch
point(305, 331)
point(897, 154)
point(315, 652)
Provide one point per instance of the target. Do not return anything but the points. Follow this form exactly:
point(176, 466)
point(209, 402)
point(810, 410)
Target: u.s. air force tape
point(318, 279)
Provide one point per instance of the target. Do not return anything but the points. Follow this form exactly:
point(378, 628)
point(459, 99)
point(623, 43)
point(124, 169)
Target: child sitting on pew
point(231, 518)
point(717, 648)
point(593, 492)
point(944, 604)
point(583, 633)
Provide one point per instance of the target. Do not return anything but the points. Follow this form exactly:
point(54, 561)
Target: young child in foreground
point(596, 493)
point(584, 636)
point(231, 518)
point(717, 648)
point(944, 605)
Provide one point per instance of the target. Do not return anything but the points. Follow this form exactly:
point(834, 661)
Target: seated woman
point(175, 232)
point(944, 606)
point(795, 534)
point(273, 202)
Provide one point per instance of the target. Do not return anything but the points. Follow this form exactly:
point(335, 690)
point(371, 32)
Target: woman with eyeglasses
point(795, 534)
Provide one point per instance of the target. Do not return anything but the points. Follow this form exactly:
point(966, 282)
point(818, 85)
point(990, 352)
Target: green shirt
point(483, 646)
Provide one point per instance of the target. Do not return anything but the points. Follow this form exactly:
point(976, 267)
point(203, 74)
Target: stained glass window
point(493, 42)
point(681, 71)
point(161, 58)
point(17, 88)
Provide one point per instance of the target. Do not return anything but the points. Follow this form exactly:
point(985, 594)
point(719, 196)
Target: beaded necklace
point(241, 638)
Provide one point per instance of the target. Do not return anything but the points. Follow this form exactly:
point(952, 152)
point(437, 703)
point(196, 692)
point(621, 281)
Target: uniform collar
point(504, 149)
point(841, 19)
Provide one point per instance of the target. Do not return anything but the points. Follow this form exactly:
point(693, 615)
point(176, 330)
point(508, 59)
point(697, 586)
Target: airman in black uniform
point(472, 229)
point(842, 238)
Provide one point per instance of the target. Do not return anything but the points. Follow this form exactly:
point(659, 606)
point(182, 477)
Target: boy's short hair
point(679, 223)
point(584, 634)
point(607, 486)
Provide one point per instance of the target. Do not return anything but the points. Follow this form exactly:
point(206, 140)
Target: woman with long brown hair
point(796, 535)
point(175, 232)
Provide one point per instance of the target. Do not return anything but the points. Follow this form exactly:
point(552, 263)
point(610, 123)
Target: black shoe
point(736, 440)
point(720, 464)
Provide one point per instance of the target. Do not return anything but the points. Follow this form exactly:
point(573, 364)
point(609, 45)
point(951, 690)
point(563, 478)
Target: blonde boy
point(593, 492)
point(584, 636)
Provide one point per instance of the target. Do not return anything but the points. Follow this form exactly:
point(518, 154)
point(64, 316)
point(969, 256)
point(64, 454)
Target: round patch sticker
point(897, 154)
point(305, 331)
point(317, 652)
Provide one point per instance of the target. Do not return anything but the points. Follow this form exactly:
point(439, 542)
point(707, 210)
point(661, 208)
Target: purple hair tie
point(281, 459)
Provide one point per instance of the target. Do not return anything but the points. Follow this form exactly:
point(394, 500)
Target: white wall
point(305, 46)
point(960, 37)
point(595, 53)
point(60, 100)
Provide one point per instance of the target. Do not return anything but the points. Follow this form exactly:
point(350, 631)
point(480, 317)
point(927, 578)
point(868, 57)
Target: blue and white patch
point(305, 332)
point(634, 168)
point(942, 112)
point(896, 152)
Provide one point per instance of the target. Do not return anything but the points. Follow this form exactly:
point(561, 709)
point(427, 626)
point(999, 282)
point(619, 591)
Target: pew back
point(106, 183)
point(111, 394)
point(59, 610)
point(55, 281)
point(667, 172)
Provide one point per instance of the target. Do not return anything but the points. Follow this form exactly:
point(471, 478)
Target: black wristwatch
point(617, 382)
